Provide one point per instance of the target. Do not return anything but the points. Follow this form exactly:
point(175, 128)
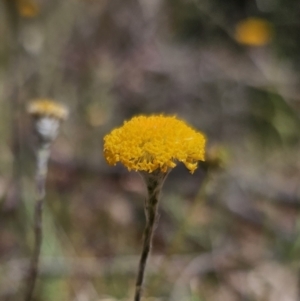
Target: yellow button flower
point(46, 107)
point(27, 8)
point(254, 32)
point(157, 142)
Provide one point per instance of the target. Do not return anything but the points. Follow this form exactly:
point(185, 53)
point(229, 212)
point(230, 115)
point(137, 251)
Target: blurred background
point(229, 68)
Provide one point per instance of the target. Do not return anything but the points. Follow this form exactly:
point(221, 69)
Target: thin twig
point(154, 183)
point(42, 160)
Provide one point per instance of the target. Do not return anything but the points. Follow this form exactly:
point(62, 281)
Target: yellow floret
point(149, 143)
point(46, 107)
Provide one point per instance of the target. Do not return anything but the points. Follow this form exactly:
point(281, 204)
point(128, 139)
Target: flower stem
point(41, 172)
point(154, 183)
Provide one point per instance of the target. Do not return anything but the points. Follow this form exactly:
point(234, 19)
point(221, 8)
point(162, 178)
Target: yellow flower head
point(150, 143)
point(46, 107)
point(27, 8)
point(253, 32)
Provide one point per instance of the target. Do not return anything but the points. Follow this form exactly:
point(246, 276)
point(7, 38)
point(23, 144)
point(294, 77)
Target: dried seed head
point(48, 115)
point(47, 108)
